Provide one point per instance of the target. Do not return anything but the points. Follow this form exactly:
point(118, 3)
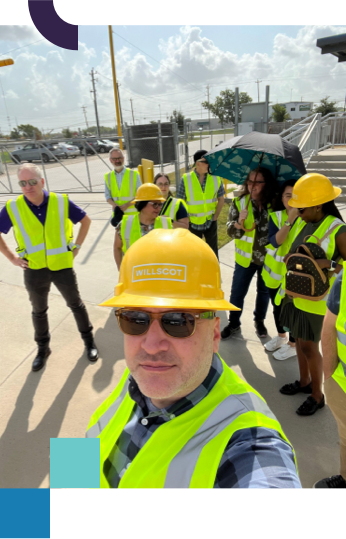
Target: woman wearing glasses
point(313, 196)
point(148, 203)
point(175, 208)
point(248, 226)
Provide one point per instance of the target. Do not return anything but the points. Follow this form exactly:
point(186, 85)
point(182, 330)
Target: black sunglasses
point(179, 325)
point(23, 183)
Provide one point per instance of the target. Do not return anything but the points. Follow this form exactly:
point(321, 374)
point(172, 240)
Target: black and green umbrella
point(236, 157)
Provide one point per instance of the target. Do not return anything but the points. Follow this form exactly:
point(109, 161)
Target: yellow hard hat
point(170, 269)
point(311, 190)
point(148, 191)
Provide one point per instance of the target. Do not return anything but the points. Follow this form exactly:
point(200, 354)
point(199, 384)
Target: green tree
point(66, 133)
point(325, 106)
point(28, 131)
point(280, 113)
point(178, 117)
point(15, 134)
point(224, 105)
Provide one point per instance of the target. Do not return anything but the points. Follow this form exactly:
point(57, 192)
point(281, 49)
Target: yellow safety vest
point(127, 190)
point(172, 210)
point(201, 205)
point(131, 229)
point(339, 374)
point(172, 458)
point(244, 245)
point(274, 266)
point(48, 245)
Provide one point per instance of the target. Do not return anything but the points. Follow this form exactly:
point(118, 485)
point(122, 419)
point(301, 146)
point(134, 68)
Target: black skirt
point(302, 325)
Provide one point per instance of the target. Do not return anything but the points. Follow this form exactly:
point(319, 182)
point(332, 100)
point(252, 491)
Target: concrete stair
point(332, 165)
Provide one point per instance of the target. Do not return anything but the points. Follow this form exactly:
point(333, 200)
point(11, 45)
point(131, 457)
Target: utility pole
point(115, 88)
point(208, 107)
point(133, 118)
point(257, 82)
point(93, 91)
point(85, 116)
point(121, 113)
point(160, 111)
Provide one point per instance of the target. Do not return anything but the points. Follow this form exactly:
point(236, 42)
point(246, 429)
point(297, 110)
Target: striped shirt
point(254, 457)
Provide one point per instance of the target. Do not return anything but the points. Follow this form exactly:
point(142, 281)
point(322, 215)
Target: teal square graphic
point(74, 463)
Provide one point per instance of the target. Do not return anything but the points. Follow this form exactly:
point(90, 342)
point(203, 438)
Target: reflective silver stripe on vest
point(103, 421)
point(164, 221)
point(128, 227)
point(132, 175)
point(274, 254)
point(201, 214)
point(63, 248)
point(29, 247)
point(181, 468)
point(281, 291)
point(248, 239)
point(325, 243)
point(173, 206)
point(242, 203)
point(279, 216)
point(243, 253)
point(131, 180)
point(342, 337)
point(193, 202)
point(272, 274)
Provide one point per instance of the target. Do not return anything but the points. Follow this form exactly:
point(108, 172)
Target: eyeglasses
point(203, 161)
point(301, 210)
point(116, 158)
point(156, 205)
point(162, 185)
point(257, 182)
point(179, 325)
point(23, 183)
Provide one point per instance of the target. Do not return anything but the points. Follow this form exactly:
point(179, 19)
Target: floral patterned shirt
point(262, 228)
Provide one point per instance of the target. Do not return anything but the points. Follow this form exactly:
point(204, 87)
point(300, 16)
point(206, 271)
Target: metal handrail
point(307, 133)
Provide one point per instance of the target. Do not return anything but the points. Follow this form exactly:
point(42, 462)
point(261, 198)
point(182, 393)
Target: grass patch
point(5, 157)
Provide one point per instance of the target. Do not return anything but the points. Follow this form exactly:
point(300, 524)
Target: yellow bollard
point(146, 164)
point(140, 172)
point(150, 175)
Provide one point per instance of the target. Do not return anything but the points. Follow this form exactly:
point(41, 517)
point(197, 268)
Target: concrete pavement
point(59, 400)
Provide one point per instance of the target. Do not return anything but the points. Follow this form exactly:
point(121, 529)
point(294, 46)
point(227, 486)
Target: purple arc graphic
point(51, 26)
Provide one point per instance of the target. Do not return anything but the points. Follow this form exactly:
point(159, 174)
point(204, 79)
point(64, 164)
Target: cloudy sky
point(160, 68)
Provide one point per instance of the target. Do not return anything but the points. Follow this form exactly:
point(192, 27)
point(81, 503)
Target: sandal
point(293, 389)
point(310, 406)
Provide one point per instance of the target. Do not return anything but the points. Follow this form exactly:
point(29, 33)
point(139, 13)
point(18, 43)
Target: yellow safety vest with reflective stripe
point(244, 245)
point(172, 458)
point(201, 205)
point(320, 307)
point(274, 266)
point(339, 374)
point(173, 208)
point(127, 190)
point(48, 245)
point(131, 228)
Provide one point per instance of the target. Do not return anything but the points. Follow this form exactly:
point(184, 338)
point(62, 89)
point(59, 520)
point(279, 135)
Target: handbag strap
point(320, 241)
point(166, 206)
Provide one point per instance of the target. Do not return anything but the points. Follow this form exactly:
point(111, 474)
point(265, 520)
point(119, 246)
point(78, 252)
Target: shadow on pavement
point(24, 454)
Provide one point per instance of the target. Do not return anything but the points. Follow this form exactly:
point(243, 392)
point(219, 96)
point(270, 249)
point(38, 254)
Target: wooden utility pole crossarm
point(115, 86)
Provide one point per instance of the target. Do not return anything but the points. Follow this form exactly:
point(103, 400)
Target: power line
point(23, 47)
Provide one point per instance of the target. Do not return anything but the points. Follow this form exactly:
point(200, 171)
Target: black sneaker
point(261, 330)
point(229, 331)
point(336, 481)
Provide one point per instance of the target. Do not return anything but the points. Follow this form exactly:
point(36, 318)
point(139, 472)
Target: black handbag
point(304, 278)
point(117, 217)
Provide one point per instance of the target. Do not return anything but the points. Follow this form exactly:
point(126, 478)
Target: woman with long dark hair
point(248, 226)
point(313, 195)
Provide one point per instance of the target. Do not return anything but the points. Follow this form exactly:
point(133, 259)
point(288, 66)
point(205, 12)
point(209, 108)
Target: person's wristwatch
point(76, 246)
point(333, 265)
point(287, 223)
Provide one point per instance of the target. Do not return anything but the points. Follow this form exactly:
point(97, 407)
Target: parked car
point(114, 145)
point(82, 146)
point(69, 150)
point(33, 152)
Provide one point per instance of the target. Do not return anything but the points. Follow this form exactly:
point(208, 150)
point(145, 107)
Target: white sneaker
point(285, 352)
point(275, 343)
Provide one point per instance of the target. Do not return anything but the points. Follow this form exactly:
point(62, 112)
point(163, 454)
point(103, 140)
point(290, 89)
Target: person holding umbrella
point(248, 226)
point(175, 208)
point(259, 162)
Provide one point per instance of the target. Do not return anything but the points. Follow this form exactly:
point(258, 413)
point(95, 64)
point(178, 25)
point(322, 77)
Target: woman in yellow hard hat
point(313, 195)
point(148, 203)
point(175, 208)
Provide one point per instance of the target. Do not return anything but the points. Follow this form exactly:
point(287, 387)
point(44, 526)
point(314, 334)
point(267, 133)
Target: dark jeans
point(242, 278)
point(210, 235)
point(277, 312)
point(37, 283)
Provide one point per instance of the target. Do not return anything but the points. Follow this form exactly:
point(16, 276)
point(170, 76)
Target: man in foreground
point(180, 417)
point(42, 225)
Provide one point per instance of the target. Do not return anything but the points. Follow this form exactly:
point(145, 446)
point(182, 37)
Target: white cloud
point(19, 33)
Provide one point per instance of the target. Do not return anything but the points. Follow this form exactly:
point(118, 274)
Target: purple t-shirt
point(75, 213)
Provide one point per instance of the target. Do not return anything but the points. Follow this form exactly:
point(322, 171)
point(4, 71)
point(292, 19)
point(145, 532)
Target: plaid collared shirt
point(182, 194)
point(254, 458)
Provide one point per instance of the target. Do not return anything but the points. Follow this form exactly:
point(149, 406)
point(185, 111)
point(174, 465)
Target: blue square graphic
point(74, 463)
point(25, 512)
